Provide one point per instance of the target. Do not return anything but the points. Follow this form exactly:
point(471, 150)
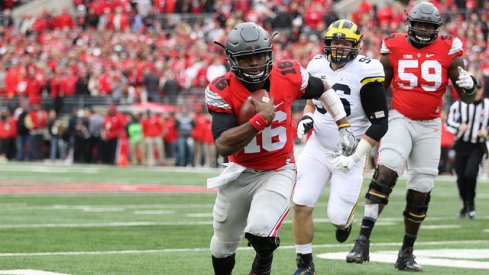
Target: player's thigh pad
point(345, 192)
point(313, 173)
point(271, 201)
point(425, 156)
point(230, 213)
point(396, 145)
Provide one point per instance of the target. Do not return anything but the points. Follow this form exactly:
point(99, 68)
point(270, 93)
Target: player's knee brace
point(381, 185)
point(416, 205)
point(264, 246)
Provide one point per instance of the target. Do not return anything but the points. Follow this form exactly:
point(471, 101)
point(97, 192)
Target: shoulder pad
point(316, 64)
point(391, 40)
point(215, 96)
point(369, 69)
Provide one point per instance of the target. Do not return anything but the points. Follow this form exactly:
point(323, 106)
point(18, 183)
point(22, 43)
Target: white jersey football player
point(358, 81)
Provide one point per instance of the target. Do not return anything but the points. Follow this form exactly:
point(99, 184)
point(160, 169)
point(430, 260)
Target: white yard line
point(28, 272)
point(23, 206)
point(382, 222)
point(206, 250)
point(455, 258)
point(154, 212)
point(111, 224)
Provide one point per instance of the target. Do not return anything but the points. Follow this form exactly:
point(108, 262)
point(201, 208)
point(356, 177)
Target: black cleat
point(463, 213)
point(471, 210)
point(304, 268)
point(405, 261)
point(360, 251)
point(343, 234)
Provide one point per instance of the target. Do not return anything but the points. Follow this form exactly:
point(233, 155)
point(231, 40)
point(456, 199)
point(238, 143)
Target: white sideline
point(206, 250)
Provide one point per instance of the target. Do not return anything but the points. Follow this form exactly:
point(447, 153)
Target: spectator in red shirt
point(12, 80)
point(8, 132)
point(32, 86)
point(111, 130)
point(64, 20)
point(170, 137)
point(118, 21)
point(39, 120)
point(198, 133)
point(153, 137)
point(208, 142)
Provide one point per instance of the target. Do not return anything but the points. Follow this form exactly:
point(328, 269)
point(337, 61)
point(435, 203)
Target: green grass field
point(46, 224)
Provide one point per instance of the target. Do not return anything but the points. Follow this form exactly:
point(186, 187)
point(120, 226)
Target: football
point(247, 109)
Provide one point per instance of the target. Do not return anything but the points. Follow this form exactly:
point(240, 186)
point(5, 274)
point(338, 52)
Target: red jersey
point(152, 126)
point(8, 128)
point(39, 119)
point(113, 126)
point(171, 134)
point(272, 147)
point(420, 76)
point(198, 131)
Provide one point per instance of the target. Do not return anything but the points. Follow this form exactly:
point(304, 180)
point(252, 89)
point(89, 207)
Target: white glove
point(347, 142)
point(305, 125)
point(465, 80)
point(344, 163)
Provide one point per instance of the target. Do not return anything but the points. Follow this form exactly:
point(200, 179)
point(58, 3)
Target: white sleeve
point(215, 101)
point(305, 78)
point(372, 72)
point(384, 49)
point(456, 46)
point(314, 66)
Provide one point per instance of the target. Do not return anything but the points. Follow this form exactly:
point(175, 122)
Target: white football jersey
point(347, 82)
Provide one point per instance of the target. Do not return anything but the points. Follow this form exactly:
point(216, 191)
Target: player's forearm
point(235, 139)
point(377, 129)
point(332, 103)
point(343, 122)
point(363, 147)
point(309, 108)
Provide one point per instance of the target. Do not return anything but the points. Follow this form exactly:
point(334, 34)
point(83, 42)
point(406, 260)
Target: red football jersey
point(272, 147)
point(420, 75)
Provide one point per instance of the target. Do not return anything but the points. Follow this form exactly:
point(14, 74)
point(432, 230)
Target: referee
point(469, 123)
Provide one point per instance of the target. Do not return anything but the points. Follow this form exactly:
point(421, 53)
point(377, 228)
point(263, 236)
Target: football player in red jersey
point(256, 186)
point(419, 65)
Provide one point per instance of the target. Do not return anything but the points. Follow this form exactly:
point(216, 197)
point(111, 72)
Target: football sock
point(408, 241)
point(303, 248)
point(223, 266)
point(306, 258)
point(367, 227)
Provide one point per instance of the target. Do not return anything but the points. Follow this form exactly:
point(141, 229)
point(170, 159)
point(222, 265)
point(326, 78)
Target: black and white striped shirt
point(475, 115)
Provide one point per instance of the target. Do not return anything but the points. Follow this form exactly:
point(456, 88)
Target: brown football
point(247, 109)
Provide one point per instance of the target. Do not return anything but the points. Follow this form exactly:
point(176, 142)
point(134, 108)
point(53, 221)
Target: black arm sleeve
point(221, 122)
point(315, 88)
point(374, 104)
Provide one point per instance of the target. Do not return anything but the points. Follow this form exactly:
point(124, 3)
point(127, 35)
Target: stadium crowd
point(125, 52)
